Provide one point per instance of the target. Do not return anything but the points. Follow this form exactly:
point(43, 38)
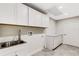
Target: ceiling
point(59, 11)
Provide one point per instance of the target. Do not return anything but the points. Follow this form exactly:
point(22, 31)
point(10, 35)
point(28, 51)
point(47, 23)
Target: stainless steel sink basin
point(10, 43)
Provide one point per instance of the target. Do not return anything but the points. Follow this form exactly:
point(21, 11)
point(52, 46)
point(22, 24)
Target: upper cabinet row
point(19, 14)
point(8, 13)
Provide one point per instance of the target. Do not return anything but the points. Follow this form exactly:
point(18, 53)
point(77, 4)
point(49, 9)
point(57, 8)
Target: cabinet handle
point(42, 36)
point(16, 55)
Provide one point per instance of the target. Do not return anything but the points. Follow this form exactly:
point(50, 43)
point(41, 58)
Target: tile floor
point(63, 50)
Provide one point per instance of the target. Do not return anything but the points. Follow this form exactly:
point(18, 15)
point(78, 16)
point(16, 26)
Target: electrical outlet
point(30, 33)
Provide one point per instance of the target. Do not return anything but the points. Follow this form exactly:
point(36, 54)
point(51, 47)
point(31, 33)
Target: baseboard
point(30, 54)
point(57, 46)
point(71, 45)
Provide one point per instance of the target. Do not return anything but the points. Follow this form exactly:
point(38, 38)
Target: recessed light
point(60, 7)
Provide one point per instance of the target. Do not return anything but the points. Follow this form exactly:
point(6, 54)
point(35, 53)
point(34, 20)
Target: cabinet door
point(45, 20)
point(10, 54)
point(22, 51)
point(22, 14)
point(8, 13)
point(34, 18)
point(57, 41)
point(50, 43)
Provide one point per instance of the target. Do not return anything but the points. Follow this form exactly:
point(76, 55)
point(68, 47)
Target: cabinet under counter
point(12, 49)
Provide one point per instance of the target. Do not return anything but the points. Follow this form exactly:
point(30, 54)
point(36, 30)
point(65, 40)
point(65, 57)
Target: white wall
point(51, 30)
point(70, 27)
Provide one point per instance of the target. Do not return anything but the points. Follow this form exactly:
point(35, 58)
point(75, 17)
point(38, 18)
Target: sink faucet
point(19, 35)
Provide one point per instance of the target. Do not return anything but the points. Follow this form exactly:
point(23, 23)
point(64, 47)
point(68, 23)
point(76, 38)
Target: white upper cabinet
point(45, 20)
point(13, 13)
point(22, 14)
point(8, 13)
point(38, 19)
point(19, 14)
point(34, 18)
